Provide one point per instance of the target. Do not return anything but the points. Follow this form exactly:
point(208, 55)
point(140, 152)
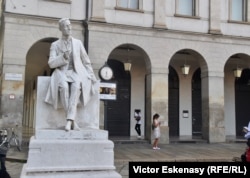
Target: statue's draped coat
point(82, 67)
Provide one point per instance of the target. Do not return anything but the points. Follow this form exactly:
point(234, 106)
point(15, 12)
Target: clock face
point(106, 73)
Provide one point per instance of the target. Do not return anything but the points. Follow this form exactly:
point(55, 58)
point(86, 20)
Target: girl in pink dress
point(156, 132)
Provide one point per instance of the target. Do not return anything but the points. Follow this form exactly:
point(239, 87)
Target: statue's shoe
point(76, 127)
point(68, 125)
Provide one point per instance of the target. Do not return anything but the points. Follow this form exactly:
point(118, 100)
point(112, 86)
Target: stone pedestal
point(55, 153)
point(84, 153)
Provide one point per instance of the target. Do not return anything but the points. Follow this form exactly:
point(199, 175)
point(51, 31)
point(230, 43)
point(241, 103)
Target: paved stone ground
point(124, 153)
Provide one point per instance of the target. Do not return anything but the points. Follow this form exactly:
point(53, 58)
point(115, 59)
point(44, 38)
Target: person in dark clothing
point(4, 174)
point(245, 157)
point(4, 147)
point(137, 116)
point(2, 161)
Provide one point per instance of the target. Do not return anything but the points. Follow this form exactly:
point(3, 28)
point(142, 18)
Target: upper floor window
point(130, 4)
point(187, 7)
point(239, 10)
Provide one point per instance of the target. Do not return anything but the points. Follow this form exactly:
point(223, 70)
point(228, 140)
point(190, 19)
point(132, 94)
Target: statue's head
point(62, 23)
point(65, 26)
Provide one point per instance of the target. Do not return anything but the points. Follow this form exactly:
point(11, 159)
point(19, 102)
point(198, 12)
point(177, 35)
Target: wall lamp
point(127, 64)
point(237, 72)
point(185, 69)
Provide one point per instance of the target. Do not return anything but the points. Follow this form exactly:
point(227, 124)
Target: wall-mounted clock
point(106, 73)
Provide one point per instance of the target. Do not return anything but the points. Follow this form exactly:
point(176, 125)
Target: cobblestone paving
point(124, 153)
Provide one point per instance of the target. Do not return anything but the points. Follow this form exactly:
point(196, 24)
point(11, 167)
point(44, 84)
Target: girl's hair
point(155, 116)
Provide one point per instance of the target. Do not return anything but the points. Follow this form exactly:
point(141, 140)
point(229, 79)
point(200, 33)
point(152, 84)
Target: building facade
point(158, 38)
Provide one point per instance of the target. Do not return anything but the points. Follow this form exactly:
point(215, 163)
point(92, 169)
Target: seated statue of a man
point(73, 78)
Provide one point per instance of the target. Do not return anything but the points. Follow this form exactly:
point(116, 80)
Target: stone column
point(157, 102)
point(214, 20)
point(160, 14)
point(213, 126)
point(98, 7)
point(185, 123)
point(248, 12)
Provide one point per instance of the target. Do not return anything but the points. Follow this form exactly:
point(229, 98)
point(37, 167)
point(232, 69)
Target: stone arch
point(100, 53)
point(36, 65)
point(20, 35)
point(129, 52)
point(236, 91)
point(195, 61)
